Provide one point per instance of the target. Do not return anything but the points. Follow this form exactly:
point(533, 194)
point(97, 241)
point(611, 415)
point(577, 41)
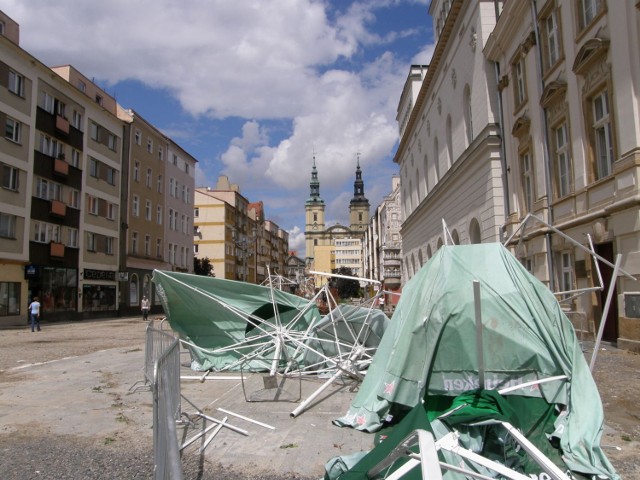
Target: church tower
point(359, 205)
point(314, 210)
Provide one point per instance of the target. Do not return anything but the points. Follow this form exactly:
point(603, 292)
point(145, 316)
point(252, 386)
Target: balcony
point(56, 250)
point(62, 124)
point(60, 167)
point(58, 208)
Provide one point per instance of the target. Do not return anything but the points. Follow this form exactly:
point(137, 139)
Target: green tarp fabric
point(218, 315)
point(429, 349)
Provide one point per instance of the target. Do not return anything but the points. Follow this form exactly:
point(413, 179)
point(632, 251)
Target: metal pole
point(479, 343)
point(605, 311)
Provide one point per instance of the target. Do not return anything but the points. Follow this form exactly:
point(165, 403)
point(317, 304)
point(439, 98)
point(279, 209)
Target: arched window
point(429, 252)
point(418, 188)
point(439, 243)
point(468, 123)
point(134, 298)
point(455, 237)
point(449, 143)
point(410, 197)
point(420, 261)
point(414, 269)
point(474, 231)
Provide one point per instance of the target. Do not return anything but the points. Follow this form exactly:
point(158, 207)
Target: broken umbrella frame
point(275, 346)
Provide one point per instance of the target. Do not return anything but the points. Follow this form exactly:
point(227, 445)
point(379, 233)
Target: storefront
point(57, 288)
point(99, 292)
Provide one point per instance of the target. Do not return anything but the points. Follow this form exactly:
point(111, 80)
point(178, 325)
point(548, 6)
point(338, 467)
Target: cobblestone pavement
point(28, 451)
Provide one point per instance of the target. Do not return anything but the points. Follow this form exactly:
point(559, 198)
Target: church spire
point(314, 186)
point(358, 187)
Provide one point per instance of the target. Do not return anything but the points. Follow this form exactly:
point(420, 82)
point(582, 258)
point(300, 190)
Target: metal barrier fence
point(162, 358)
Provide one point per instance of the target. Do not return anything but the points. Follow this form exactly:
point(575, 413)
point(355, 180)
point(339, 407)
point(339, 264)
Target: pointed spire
point(358, 186)
point(314, 186)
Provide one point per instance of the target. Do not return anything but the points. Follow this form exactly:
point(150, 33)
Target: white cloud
point(296, 241)
point(295, 61)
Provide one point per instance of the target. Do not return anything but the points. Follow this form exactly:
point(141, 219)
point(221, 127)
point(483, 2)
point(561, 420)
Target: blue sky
point(251, 88)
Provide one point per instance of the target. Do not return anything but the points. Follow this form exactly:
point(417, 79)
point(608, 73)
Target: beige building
point(61, 162)
point(66, 204)
point(157, 199)
point(569, 77)
point(235, 236)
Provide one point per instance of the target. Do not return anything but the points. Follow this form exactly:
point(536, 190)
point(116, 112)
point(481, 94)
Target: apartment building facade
point(61, 162)
point(569, 82)
point(68, 164)
point(235, 236)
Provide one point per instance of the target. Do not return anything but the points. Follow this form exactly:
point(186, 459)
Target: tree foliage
point(202, 266)
point(347, 288)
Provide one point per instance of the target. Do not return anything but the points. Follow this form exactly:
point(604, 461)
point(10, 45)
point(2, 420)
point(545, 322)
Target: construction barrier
point(162, 358)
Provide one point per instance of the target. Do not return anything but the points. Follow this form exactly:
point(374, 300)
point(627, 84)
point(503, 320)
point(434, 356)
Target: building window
point(147, 245)
point(138, 137)
point(99, 99)
point(16, 83)
point(74, 198)
point(111, 211)
point(7, 225)
point(147, 210)
point(468, 123)
point(196, 248)
point(10, 178)
point(111, 176)
point(551, 43)
point(160, 154)
point(91, 242)
point(562, 160)
point(134, 243)
point(10, 295)
point(112, 143)
point(94, 168)
point(527, 182)
point(94, 131)
point(519, 85)
point(76, 120)
point(186, 167)
point(75, 158)
point(109, 246)
point(175, 159)
point(93, 205)
point(12, 130)
point(159, 183)
point(150, 146)
point(171, 186)
point(602, 134)
point(136, 206)
point(566, 272)
point(136, 171)
point(149, 176)
point(196, 212)
point(588, 10)
point(159, 215)
point(72, 237)
point(158, 248)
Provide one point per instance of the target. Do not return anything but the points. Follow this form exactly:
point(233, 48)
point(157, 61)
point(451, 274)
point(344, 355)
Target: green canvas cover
point(429, 350)
point(219, 315)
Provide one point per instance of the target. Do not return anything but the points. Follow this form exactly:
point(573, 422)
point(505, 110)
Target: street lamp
point(245, 244)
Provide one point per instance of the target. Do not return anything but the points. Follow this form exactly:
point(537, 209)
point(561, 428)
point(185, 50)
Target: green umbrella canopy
point(227, 318)
point(429, 349)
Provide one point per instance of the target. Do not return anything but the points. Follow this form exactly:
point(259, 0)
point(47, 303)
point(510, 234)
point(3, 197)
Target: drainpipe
point(545, 146)
point(505, 182)
point(503, 155)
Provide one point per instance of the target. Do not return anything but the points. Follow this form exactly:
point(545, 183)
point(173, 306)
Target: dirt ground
point(617, 373)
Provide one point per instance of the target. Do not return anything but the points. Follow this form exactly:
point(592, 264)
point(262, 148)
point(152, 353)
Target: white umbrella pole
point(479, 343)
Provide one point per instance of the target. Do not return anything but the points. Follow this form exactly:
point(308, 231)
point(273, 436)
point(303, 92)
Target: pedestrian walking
point(34, 313)
point(145, 305)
